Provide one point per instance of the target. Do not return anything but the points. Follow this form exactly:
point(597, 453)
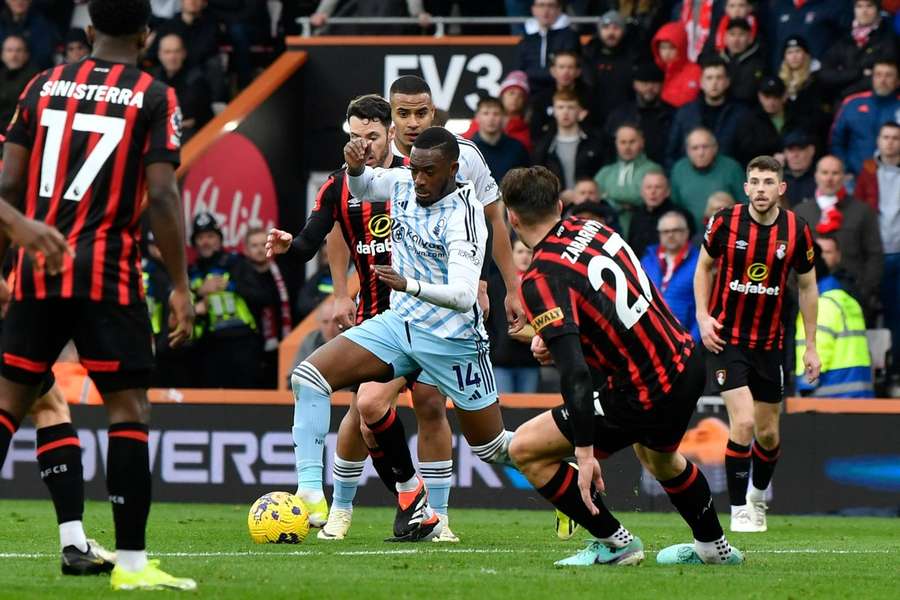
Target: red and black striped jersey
point(585, 279)
point(753, 262)
point(92, 127)
point(366, 227)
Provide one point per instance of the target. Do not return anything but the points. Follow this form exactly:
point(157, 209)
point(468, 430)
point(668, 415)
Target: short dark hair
point(371, 107)
point(17, 36)
point(571, 53)
point(711, 61)
point(119, 18)
point(410, 85)
point(532, 192)
point(629, 125)
point(438, 138)
point(490, 101)
point(885, 59)
point(889, 125)
point(766, 163)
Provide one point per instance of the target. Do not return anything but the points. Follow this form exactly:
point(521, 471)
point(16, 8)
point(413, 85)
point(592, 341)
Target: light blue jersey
point(423, 239)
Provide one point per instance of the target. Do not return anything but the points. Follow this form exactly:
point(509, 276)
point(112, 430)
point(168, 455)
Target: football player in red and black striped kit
point(753, 247)
point(86, 143)
point(630, 376)
point(365, 228)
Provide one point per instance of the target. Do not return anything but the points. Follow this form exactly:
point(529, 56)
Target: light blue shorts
point(460, 369)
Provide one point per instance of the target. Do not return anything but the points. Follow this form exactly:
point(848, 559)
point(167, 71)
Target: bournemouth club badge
point(720, 377)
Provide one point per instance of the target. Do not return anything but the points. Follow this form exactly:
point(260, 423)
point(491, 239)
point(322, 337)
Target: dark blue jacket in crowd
point(690, 116)
point(535, 50)
point(506, 155)
point(819, 22)
point(679, 294)
point(38, 32)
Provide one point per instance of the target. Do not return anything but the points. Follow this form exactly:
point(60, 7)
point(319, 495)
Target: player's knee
point(50, 409)
point(306, 374)
point(371, 406)
point(521, 452)
point(742, 429)
point(767, 437)
point(431, 411)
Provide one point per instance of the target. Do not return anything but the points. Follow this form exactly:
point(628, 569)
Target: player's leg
point(59, 460)
point(539, 450)
point(364, 353)
point(435, 447)
point(689, 492)
point(766, 450)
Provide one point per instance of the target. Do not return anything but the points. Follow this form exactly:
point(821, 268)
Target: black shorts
point(49, 379)
point(760, 370)
point(625, 422)
point(114, 342)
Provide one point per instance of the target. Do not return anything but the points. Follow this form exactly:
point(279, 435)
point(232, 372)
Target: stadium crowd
point(648, 118)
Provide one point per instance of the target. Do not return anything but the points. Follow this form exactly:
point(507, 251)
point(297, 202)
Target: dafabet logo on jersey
point(380, 225)
point(757, 272)
point(542, 320)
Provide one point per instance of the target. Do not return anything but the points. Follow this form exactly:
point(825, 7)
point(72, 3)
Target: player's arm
point(42, 242)
point(165, 212)
point(809, 306)
point(703, 277)
point(502, 252)
point(307, 243)
point(366, 183)
point(338, 262)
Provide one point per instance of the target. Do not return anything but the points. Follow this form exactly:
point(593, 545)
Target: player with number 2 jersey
point(630, 376)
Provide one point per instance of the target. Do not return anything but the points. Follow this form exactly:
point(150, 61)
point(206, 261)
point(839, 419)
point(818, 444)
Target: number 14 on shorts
point(471, 378)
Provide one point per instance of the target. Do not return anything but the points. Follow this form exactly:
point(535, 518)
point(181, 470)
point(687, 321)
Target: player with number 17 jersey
point(92, 126)
point(627, 331)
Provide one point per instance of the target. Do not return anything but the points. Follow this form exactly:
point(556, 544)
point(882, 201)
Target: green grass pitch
point(503, 554)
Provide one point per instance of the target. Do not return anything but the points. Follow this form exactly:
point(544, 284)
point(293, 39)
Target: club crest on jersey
point(380, 225)
point(441, 225)
point(720, 376)
point(542, 320)
point(780, 249)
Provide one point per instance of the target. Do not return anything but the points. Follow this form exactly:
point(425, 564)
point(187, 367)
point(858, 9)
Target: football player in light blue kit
point(434, 323)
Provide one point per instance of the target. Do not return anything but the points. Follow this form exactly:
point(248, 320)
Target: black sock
point(8, 427)
point(391, 438)
point(383, 468)
point(59, 458)
point(689, 493)
point(737, 467)
point(563, 493)
point(128, 482)
point(764, 462)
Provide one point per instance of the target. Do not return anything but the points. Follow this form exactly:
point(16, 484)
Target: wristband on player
point(410, 281)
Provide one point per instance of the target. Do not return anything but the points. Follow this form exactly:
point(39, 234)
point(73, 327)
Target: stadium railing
point(440, 23)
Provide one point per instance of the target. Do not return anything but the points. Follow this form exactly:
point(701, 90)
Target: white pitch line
point(409, 551)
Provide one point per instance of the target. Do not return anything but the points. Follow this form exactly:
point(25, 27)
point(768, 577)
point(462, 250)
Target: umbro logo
point(741, 245)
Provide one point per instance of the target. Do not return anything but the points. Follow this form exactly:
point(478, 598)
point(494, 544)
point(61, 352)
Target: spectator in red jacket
point(514, 97)
point(682, 77)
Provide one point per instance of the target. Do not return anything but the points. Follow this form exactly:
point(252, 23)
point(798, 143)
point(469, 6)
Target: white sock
point(131, 560)
point(310, 496)
point(71, 533)
point(755, 495)
point(736, 509)
point(408, 486)
point(621, 538)
point(713, 552)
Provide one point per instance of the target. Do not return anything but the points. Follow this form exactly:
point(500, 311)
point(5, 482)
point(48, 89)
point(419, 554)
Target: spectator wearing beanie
point(648, 111)
point(608, 66)
point(847, 65)
point(681, 82)
point(746, 65)
point(514, 97)
point(820, 21)
point(799, 166)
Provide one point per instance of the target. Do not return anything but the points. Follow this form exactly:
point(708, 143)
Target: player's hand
point(344, 312)
point(515, 312)
point(812, 364)
point(390, 277)
point(540, 351)
point(589, 473)
point(709, 333)
point(356, 153)
point(524, 335)
point(318, 19)
point(181, 317)
point(45, 245)
point(278, 242)
point(484, 301)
